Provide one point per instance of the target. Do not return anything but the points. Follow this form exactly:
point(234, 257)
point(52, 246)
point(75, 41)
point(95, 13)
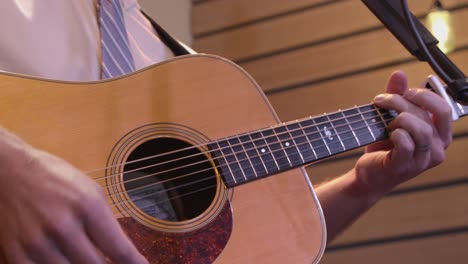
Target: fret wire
point(227, 162)
point(308, 141)
point(293, 153)
point(336, 132)
point(380, 114)
point(191, 147)
point(254, 156)
point(300, 124)
point(295, 143)
point(379, 128)
point(358, 124)
point(314, 157)
point(232, 153)
point(360, 113)
point(314, 135)
point(341, 126)
point(269, 151)
point(253, 168)
point(261, 158)
point(210, 169)
point(282, 147)
point(235, 157)
point(321, 139)
point(320, 133)
point(184, 185)
point(302, 131)
point(363, 118)
point(327, 132)
point(278, 153)
point(351, 129)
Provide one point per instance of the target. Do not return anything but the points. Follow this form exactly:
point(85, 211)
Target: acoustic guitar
point(184, 151)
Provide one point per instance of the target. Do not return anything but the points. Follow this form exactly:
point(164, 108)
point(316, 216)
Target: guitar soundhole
point(170, 179)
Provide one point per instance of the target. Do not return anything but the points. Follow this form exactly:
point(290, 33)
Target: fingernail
point(379, 98)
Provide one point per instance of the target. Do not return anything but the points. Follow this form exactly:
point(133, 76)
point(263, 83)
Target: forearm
point(343, 200)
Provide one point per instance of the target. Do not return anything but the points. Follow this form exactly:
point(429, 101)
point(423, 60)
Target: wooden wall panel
point(363, 51)
point(222, 14)
point(318, 56)
point(407, 214)
point(356, 89)
point(340, 18)
point(438, 249)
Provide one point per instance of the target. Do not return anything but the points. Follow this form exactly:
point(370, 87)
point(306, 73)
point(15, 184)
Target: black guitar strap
point(177, 48)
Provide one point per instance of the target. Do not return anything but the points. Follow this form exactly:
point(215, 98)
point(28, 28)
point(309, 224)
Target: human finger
point(74, 243)
point(400, 105)
point(442, 113)
point(420, 133)
point(108, 236)
point(14, 253)
point(397, 83)
point(379, 145)
point(403, 146)
point(43, 251)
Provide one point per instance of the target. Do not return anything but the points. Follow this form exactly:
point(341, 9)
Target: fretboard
point(257, 154)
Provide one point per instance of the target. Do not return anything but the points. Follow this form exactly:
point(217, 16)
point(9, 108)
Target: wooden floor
point(315, 56)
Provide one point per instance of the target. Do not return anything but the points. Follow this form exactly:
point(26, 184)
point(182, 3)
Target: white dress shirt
point(60, 39)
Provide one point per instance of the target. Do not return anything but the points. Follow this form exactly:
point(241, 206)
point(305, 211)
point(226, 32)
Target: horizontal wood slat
point(442, 249)
point(216, 15)
point(453, 169)
point(294, 30)
point(346, 92)
point(411, 213)
point(346, 55)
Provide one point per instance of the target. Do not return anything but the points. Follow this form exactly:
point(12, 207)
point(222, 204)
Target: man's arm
point(419, 136)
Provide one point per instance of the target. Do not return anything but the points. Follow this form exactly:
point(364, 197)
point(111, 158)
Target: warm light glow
point(439, 22)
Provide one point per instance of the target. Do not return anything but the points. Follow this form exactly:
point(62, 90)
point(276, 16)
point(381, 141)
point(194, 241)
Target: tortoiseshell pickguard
point(199, 246)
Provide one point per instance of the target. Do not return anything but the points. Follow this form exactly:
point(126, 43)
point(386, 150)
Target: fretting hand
point(419, 136)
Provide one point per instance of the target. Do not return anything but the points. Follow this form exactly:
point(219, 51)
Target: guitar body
point(188, 100)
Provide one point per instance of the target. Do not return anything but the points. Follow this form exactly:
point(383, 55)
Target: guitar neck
point(254, 155)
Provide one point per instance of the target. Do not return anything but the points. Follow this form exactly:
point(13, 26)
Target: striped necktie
point(116, 57)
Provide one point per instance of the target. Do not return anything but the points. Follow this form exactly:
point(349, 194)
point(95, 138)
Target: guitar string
point(287, 131)
point(166, 190)
point(320, 139)
point(237, 162)
point(258, 131)
point(189, 183)
point(173, 188)
point(166, 200)
point(304, 135)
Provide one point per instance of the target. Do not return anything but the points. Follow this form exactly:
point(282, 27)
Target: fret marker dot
point(286, 144)
point(373, 120)
point(328, 133)
point(263, 150)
